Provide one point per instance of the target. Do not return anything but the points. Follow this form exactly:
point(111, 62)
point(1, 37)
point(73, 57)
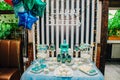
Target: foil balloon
point(22, 18)
point(28, 4)
point(30, 21)
point(38, 8)
point(26, 20)
point(18, 8)
point(9, 2)
point(15, 2)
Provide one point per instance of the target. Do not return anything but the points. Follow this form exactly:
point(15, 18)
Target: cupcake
point(46, 71)
point(51, 68)
point(74, 67)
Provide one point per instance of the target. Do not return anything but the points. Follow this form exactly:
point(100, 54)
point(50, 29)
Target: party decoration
point(29, 4)
point(18, 8)
point(64, 58)
point(25, 9)
point(9, 2)
point(38, 8)
point(64, 47)
point(22, 18)
point(76, 47)
point(63, 71)
point(15, 2)
point(52, 47)
point(58, 57)
point(26, 20)
point(39, 66)
point(85, 47)
point(42, 51)
point(88, 69)
point(30, 20)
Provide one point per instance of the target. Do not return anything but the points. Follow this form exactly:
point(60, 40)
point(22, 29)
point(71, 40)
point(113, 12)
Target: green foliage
point(5, 6)
point(6, 29)
point(114, 23)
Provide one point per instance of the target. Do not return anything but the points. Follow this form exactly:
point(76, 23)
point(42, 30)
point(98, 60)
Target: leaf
point(114, 23)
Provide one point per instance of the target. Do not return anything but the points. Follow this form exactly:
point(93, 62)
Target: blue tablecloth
point(77, 75)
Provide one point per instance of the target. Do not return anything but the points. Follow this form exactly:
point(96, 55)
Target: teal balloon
point(26, 20)
point(38, 8)
point(28, 4)
point(18, 8)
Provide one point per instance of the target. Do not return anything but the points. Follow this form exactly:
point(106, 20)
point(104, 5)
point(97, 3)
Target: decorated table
point(64, 66)
point(51, 69)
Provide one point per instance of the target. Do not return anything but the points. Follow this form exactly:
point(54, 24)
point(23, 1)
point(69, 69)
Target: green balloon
point(38, 8)
point(28, 4)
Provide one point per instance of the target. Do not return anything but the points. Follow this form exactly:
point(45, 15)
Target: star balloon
point(30, 21)
point(26, 20)
point(22, 18)
point(29, 4)
point(38, 8)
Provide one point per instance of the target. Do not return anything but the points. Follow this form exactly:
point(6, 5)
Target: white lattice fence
point(71, 20)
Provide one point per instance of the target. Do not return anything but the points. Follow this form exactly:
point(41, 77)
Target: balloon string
point(25, 42)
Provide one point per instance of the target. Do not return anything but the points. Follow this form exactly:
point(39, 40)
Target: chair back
point(10, 53)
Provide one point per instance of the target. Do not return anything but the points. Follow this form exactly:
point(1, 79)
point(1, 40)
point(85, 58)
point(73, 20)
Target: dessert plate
point(89, 70)
point(63, 71)
point(36, 70)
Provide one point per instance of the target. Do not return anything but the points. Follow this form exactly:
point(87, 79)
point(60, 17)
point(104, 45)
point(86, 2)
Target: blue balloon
point(22, 18)
point(30, 21)
point(15, 2)
point(26, 20)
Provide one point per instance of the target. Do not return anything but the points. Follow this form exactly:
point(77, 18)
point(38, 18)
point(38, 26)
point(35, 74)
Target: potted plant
point(114, 25)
